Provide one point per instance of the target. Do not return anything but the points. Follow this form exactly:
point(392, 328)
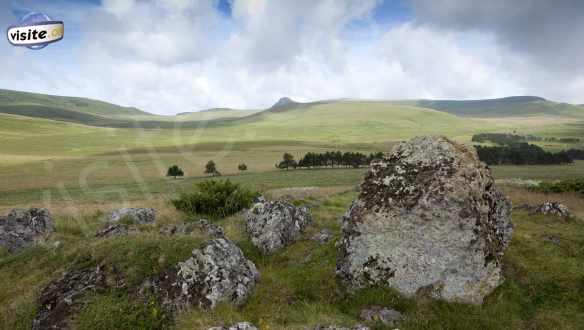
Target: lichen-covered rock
point(428, 220)
point(62, 298)
point(211, 229)
point(22, 227)
point(237, 326)
point(551, 208)
point(217, 272)
point(275, 224)
point(139, 216)
point(180, 229)
point(387, 316)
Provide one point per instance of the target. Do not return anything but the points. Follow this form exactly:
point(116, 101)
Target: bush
point(215, 199)
point(571, 185)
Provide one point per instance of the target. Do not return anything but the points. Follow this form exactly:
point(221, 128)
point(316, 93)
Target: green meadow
point(81, 158)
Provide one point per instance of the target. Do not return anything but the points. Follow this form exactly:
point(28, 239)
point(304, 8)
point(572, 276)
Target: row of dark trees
point(330, 159)
point(521, 154)
point(508, 139)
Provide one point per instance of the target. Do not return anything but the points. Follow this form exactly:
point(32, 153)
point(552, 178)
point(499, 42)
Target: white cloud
point(176, 55)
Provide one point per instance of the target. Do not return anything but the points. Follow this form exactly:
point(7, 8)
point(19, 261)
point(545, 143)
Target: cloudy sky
point(170, 56)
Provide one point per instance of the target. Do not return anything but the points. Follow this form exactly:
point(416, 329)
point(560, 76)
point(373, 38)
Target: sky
point(171, 56)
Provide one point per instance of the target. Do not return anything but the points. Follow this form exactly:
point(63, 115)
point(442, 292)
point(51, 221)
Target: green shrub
point(570, 185)
point(215, 199)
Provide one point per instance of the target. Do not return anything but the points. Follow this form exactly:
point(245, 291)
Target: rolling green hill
point(514, 106)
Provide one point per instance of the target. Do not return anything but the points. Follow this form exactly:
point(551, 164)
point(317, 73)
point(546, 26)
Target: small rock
point(387, 316)
point(217, 272)
point(22, 227)
point(237, 326)
point(139, 216)
point(211, 229)
point(555, 240)
point(323, 237)
point(275, 224)
point(181, 229)
point(551, 208)
point(116, 229)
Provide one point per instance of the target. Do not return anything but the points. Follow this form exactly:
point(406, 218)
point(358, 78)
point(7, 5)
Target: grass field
point(80, 172)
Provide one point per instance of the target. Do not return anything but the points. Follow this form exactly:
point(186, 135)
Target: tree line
point(330, 159)
point(521, 154)
point(508, 139)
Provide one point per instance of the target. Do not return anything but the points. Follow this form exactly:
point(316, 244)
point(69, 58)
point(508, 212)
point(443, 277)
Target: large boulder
point(139, 216)
point(22, 227)
point(429, 221)
point(217, 272)
point(272, 225)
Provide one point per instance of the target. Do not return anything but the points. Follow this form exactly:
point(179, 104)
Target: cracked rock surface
point(22, 227)
point(428, 220)
point(272, 225)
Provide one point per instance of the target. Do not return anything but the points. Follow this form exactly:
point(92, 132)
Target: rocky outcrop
point(203, 225)
point(387, 316)
point(428, 220)
point(22, 227)
point(237, 326)
point(275, 224)
point(62, 298)
point(551, 208)
point(139, 216)
point(217, 272)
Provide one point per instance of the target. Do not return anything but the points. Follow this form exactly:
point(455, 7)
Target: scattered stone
point(275, 224)
point(387, 316)
point(237, 326)
point(139, 216)
point(323, 237)
point(259, 199)
point(22, 227)
point(555, 240)
point(211, 229)
point(181, 229)
point(217, 272)
point(60, 299)
point(551, 208)
point(428, 220)
point(334, 327)
point(113, 230)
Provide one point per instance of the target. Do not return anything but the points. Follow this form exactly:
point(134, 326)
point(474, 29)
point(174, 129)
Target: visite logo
point(35, 31)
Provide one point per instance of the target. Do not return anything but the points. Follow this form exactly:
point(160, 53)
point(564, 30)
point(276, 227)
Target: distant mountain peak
point(283, 102)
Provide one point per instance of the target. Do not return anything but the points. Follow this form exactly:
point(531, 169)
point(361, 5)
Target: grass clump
point(216, 199)
point(117, 310)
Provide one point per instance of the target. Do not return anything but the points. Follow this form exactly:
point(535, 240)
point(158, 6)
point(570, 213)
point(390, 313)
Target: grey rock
point(138, 216)
point(22, 227)
point(551, 208)
point(62, 298)
point(275, 224)
point(555, 240)
point(115, 229)
point(387, 316)
point(217, 272)
point(237, 326)
point(211, 229)
point(428, 220)
point(323, 237)
point(180, 229)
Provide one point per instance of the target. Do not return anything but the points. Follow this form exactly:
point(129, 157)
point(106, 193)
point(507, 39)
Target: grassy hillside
point(515, 106)
point(15, 99)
